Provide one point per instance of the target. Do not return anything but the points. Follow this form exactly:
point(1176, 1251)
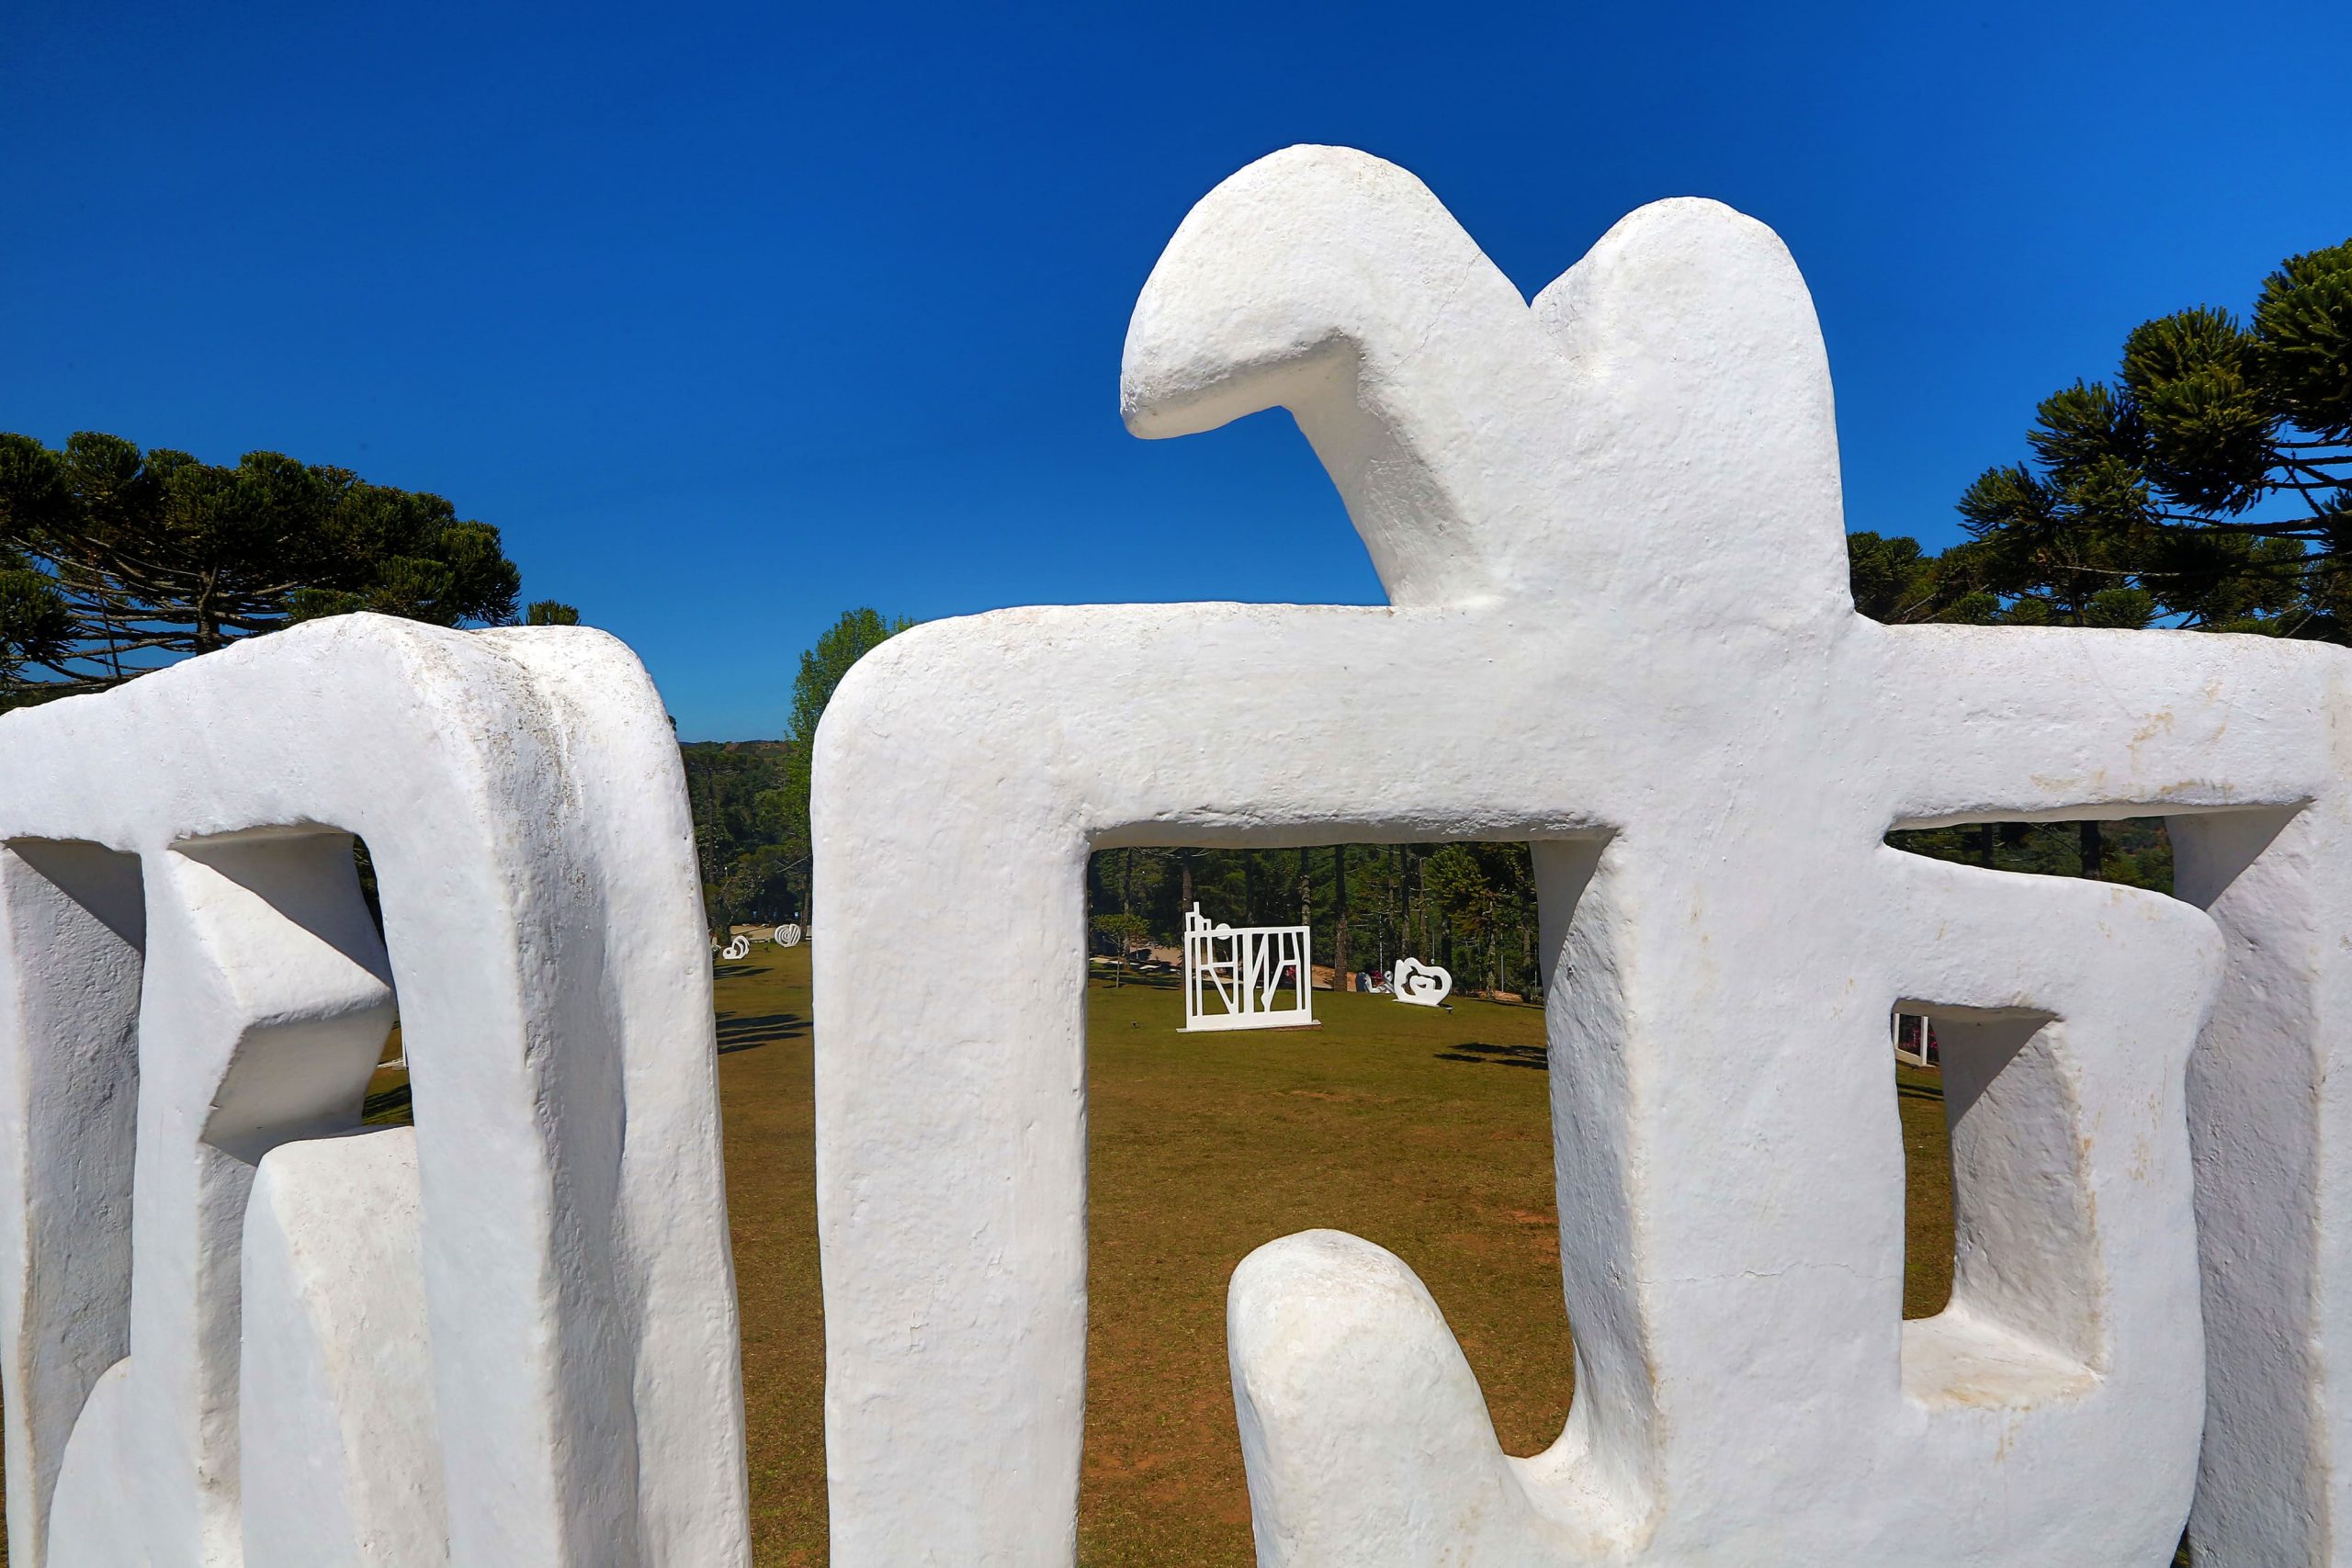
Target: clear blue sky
point(734, 318)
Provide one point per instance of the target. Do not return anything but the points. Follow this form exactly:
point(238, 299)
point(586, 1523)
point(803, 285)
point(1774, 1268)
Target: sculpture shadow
point(393, 1108)
point(1535, 1056)
point(744, 1033)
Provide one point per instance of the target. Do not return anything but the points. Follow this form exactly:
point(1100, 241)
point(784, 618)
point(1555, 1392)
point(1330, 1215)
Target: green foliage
point(550, 613)
point(850, 637)
point(1890, 576)
point(2208, 486)
point(754, 867)
point(1123, 934)
point(750, 798)
point(114, 560)
point(1895, 581)
point(2135, 852)
point(36, 624)
point(2304, 326)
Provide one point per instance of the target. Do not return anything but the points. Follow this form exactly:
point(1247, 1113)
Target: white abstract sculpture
point(1610, 528)
point(1423, 985)
point(1922, 1032)
point(236, 1329)
point(739, 947)
point(786, 936)
point(1246, 969)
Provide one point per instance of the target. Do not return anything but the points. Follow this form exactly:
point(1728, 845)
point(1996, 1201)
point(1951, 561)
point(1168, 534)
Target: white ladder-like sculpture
point(1246, 969)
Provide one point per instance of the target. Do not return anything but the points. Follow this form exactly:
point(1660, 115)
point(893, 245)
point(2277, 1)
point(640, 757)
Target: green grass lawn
point(1424, 1131)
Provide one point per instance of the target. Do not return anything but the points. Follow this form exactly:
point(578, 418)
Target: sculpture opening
point(1925, 1130)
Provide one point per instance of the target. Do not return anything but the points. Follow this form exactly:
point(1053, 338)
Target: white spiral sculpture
point(788, 936)
point(739, 947)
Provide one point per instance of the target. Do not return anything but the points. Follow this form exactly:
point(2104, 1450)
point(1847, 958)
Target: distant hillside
point(755, 856)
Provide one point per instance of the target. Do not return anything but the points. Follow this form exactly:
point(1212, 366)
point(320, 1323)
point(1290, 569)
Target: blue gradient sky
point(733, 319)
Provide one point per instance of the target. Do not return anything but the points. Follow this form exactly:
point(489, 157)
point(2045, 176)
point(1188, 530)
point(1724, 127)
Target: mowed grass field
point(1427, 1131)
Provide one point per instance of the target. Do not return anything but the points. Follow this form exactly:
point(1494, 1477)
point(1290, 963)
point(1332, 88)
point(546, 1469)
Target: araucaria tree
point(2208, 486)
point(114, 561)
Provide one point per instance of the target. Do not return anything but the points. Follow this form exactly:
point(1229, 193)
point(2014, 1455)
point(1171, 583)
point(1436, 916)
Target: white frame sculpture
point(234, 1326)
point(1249, 976)
point(1555, 494)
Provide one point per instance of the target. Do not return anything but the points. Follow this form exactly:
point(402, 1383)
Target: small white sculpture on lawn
point(786, 936)
point(738, 946)
point(1423, 985)
point(236, 1326)
point(1619, 627)
point(1246, 969)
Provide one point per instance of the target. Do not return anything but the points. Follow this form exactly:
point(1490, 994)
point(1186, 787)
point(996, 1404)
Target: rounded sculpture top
point(1656, 430)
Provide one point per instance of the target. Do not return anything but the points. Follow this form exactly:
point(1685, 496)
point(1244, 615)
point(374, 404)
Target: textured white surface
point(340, 1461)
point(1610, 528)
point(192, 987)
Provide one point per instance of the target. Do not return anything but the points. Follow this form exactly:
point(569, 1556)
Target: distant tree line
point(1470, 907)
point(750, 798)
point(752, 849)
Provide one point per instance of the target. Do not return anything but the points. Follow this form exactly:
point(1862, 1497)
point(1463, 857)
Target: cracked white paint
point(236, 1329)
point(1610, 527)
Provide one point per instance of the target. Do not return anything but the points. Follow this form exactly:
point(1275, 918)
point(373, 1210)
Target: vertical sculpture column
point(559, 1230)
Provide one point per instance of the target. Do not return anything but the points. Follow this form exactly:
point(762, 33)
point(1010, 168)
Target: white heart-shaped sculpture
point(1423, 985)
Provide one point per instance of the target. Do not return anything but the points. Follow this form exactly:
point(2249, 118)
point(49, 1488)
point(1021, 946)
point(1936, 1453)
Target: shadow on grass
point(1500, 1055)
point(737, 1033)
point(389, 1109)
point(1933, 1091)
point(1104, 978)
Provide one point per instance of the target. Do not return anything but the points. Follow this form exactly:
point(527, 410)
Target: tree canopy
point(114, 561)
point(850, 637)
point(2208, 485)
point(751, 798)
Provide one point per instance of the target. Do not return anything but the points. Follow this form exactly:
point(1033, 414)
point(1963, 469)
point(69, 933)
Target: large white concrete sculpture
point(234, 1328)
point(1610, 528)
